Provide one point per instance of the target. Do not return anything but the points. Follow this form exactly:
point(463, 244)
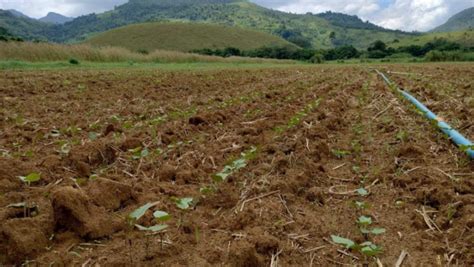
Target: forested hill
point(306, 30)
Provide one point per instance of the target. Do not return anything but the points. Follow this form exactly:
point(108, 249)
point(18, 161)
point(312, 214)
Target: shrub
point(438, 56)
point(143, 51)
point(317, 58)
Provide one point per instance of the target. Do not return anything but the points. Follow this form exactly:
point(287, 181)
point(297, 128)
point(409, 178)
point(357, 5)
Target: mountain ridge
point(55, 18)
point(460, 21)
point(306, 30)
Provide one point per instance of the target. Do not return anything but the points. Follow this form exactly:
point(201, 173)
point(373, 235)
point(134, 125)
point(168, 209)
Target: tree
point(377, 45)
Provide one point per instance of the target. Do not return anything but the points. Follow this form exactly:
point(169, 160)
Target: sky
point(408, 15)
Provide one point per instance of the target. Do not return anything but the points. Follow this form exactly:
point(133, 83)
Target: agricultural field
point(292, 166)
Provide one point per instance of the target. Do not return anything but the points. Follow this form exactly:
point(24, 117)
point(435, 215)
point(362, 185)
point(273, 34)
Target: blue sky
point(408, 15)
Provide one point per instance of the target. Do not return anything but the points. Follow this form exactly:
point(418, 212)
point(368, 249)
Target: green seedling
point(93, 136)
point(139, 153)
point(364, 222)
point(235, 165)
point(362, 192)
point(183, 203)
point(367, 248)
point(340, 153)
point(347, 243)
point(135, 215)
point(30, 178)
point(161, 216)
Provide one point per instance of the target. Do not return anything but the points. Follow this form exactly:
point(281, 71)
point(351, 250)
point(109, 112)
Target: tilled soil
point(320, 134)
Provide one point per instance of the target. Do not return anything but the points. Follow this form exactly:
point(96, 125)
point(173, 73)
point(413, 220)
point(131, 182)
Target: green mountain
point(23, 26)
point(320, 31)
point(464, 38)
point(55, 18)
point(461, 21)
point(17, 13)
point(185, 37)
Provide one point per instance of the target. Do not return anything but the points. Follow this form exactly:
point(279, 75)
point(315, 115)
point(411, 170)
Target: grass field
point(47, 54)
point(465, 38)
point(185, 37)
point(242, 166)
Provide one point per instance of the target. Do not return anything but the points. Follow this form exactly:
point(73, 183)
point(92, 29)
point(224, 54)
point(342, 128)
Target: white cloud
point(414, 14)
point(74, 8)
point(408, 15)
point(395, 14)
point(361, 7)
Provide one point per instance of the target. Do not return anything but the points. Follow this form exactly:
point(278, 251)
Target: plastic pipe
point(454, 135)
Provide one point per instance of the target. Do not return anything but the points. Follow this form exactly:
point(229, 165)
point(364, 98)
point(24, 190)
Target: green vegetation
point(23, 27)
point(6, 36)
point(464, 38)
point(306, 30)
point(160, 216)
point(448, 51)
point(30, 178)
point(235, 165)
point(183, 203)
point(44, 52)
point(461, 21)
point(185, 37)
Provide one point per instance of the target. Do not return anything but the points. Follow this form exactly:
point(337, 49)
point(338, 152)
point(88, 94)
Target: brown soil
point(82, 131)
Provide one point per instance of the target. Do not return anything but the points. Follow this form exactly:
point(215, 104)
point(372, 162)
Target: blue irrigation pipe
point(454, 135)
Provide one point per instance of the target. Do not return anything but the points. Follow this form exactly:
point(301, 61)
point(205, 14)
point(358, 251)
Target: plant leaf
point(161, 215)
point(138, 213)
point(364, 220)
point(378, 231)
point(371, 250)
point(184, 203)
point(362, 191)
point(154, 228)
point(343, 241)
point(31, 178)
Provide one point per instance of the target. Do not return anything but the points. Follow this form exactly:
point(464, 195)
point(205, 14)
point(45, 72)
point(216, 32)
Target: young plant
point(340, 153)
point(367, 248)
point(139, 153)
point(135, 215)
point(183, 203)
point(30, 178)
point(364, 222)
point(235, 165)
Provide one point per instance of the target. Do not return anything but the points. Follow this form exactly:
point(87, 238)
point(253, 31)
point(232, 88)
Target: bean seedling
point(30, 178)
point(235, 165)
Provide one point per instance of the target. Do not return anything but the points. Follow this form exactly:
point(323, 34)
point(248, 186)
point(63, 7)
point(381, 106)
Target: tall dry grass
point(44, 52)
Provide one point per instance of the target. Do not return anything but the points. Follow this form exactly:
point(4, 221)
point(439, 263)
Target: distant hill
point(461, 21)
point(55, 18)
point(185, 37)
point(306, 30)
point(17, 13)
point(465, 38)
point(23, 26)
